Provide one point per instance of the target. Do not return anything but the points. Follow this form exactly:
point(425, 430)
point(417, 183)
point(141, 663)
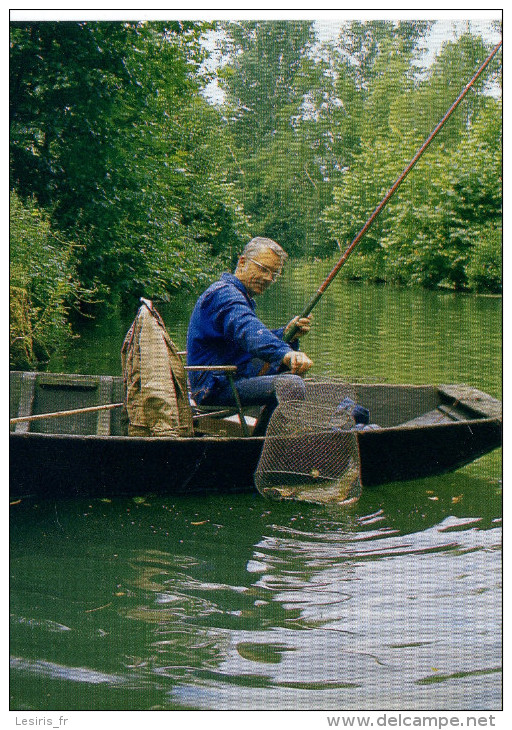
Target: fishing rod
point(291, 333)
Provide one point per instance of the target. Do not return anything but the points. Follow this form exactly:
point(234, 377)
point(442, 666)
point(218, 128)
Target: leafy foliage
point(109, 129)
point(430, 231)
point(266, 55)
point(43, 286)
point(274, 171)
point(291, 154)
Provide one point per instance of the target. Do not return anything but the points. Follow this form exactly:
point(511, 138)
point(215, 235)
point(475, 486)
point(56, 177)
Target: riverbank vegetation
point(128, 178)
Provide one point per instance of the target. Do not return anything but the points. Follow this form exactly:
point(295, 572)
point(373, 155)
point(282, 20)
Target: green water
point(237, 603)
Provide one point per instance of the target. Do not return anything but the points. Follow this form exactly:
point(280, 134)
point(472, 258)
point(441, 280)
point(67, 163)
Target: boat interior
point(34, 393)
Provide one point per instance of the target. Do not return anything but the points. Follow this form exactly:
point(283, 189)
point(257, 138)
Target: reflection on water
point(239, 603)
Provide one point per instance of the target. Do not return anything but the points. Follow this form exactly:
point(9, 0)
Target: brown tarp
point(156, 383)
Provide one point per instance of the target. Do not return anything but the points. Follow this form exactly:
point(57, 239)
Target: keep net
point(311, 451)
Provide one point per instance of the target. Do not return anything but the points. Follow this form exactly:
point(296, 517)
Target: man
point(224, 330)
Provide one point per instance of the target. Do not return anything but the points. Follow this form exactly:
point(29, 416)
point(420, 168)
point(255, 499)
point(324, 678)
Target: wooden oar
point(292, 332)
point(59, 414)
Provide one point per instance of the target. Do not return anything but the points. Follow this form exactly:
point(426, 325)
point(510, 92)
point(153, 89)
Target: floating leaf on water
point(318, 685)
point(266, 653)
point(203, 522)
point(457, 675)
point(455, 500)
point(133, 662)
point(139, 500)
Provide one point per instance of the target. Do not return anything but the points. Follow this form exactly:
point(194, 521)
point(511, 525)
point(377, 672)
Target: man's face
point(258, 272)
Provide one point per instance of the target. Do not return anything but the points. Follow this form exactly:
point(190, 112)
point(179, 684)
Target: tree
point(449, 209)
point(364, 46)
point(64, 79)
point(265, 57)
point(271, 167)
point(109, 132)
point(297, 129)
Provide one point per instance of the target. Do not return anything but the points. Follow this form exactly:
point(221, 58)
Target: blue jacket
point(224, 330)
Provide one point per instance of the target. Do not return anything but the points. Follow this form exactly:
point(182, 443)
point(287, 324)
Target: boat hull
point(83, 466)
point(425, 431)
point(94, 466)
point(403, 454)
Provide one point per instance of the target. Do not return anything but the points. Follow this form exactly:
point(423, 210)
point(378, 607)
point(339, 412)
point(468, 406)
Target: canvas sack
point(155, 380)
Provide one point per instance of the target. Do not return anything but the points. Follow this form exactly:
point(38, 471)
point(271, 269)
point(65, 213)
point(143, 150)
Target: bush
point(43, 285)
point(484, 271)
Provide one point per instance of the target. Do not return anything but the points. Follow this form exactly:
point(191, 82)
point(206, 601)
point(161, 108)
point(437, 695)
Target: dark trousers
point(259, 391)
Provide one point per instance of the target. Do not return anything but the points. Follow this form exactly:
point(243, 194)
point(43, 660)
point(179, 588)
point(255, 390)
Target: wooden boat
point(424, 431)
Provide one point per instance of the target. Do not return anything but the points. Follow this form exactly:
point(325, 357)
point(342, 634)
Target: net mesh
point(311, 452)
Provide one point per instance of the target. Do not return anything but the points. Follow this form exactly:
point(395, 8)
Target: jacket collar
point(232, 279)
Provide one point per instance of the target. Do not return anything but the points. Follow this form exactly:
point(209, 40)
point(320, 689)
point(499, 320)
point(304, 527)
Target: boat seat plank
point(28, 389)
point(453, 413)
point(67, 380)
point(473, 400)
point(441, 414)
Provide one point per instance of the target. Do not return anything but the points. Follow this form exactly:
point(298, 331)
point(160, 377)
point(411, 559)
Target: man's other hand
point(297, 362)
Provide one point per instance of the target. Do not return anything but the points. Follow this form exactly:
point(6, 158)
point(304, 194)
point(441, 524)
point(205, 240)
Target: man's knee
point(290, 387)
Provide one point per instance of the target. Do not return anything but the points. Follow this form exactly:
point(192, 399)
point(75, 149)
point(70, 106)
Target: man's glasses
point(273, 274)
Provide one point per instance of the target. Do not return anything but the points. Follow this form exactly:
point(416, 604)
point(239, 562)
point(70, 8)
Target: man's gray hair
point(258, 244)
